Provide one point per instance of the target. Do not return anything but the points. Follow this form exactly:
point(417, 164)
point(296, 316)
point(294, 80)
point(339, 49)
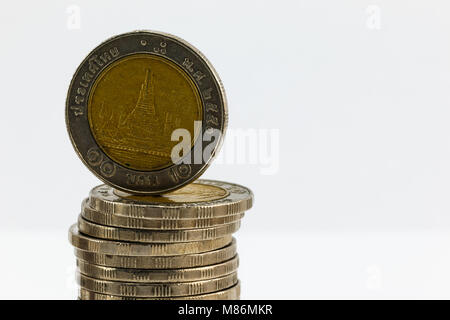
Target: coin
point(151, 236)
point(128, 101)
point(157, 290)
point(177, 261)
point(232, 293)
point(88, 243)
point(199, 200)
point(145, 275)
point(154, 224)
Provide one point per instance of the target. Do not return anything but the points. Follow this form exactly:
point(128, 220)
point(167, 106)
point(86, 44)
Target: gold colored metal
point(134, 106)
point(238, 199)
point(87, 243)
point(157, 290)
point(151, 236)
point(161, 275)
point(194, 192)
point(177, 261)
point(114, 220)
point(232, 293)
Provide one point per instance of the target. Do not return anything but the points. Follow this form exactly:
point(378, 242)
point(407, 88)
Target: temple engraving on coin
point(133, 117)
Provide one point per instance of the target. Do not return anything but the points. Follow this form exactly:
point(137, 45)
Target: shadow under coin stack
point(175, 246)
point(146, 113)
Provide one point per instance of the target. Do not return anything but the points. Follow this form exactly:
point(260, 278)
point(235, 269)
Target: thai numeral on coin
point(95, 158)
point(182, 171)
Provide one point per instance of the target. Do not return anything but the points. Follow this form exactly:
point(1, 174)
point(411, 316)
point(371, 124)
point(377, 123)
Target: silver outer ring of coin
point(120, 248)
point(239, 199)
point(114, 220)
point(157, 290)
point(159, 276)
point(181, 53)
point(232, 293)
point(152, 236)
point(193, 260)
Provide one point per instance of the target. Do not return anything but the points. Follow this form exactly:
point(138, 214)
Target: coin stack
point(153, 231)
point(176, 246)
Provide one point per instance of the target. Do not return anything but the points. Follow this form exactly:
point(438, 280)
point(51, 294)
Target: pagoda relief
point(141, 129)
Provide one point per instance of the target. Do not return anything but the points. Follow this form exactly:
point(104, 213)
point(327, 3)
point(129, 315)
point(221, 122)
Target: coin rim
point(121, 248)
point(177, 289)
point(121, 172)
point(238, 200)
point(158, 275)
point(121, 221)
point(189, 260)
point(96, 230)
point(232, 293)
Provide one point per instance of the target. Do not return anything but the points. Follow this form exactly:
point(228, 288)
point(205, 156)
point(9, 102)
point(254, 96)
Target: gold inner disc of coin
point(134, 106)
point(194, 192)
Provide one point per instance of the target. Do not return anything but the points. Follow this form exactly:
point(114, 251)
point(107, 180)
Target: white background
point(359, 91)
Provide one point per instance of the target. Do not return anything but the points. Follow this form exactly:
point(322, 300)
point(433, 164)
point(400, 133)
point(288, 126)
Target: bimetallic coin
point(157, 290)
point(131, 102)
point(148, 276)
point(159, 262)
point(232, 293)
point(87, 243)
point(152, 236)
point(199, 200)
point(114, 220)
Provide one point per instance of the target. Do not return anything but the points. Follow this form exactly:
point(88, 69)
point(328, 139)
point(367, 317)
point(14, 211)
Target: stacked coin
point(175, 246)
point(147, 113)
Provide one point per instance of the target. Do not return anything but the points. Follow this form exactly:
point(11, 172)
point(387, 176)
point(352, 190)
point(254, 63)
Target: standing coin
point(199, 200)
point(159, 262)
point(146, 275)
point(232, 293)
point(114, 220)
point(133, 99)
point(83, 242)
point(157, 290)
point(151, 236)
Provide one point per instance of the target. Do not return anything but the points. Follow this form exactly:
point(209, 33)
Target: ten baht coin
point(120, 248)
point(160, 275)
point(156, 236)
point(178, 261)
point(114, 220)
point(156, 290)
point(199, 200)
point(232, 293)
point(133, 100)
